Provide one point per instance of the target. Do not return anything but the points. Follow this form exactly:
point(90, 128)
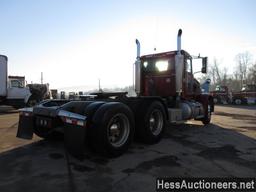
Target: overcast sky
point(74, 43)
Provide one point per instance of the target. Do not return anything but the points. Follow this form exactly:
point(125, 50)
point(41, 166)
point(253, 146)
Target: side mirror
point(204, 64)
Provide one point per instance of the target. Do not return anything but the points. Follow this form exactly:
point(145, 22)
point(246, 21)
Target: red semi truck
point(246, 96)
point(221, 95)
point(166, 92)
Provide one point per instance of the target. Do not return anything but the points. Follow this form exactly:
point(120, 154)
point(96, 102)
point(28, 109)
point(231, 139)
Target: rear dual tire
point(112, 129)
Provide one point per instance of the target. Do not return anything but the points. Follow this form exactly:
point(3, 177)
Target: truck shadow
point(185, 151)
point(245, 106)
point(8, 112)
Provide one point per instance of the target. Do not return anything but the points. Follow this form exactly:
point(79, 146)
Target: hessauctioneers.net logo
point(206, 184)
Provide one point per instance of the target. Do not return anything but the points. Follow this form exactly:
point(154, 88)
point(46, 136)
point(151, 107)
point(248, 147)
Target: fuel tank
point(191, 109)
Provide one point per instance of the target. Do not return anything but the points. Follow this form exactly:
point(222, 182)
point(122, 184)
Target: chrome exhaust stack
point(137, 69)
point(179, 65)
point(138, 49)
point(179, 41)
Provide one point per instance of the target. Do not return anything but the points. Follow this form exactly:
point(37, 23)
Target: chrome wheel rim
point(156, 122)
point(118, 130)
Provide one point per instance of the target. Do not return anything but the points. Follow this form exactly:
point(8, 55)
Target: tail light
point(27, 112)
point(72, 118)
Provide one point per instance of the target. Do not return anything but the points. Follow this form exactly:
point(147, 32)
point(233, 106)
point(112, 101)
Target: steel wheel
point(156, 122)
point(112, 129)
point(118, 130)
point(238, 101)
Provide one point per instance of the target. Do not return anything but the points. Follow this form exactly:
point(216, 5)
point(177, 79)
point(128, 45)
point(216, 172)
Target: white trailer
point(3, 75)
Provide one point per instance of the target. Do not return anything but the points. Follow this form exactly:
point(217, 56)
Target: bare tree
point(217, 70)
point(219, 76)
point(252, 74)
point(244, 73)
point(214, 72)
point(224, 76)
point(243, 61)
point(235, 82)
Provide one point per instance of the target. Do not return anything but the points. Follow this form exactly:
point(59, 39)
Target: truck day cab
point(14, 91)
point(166, 91)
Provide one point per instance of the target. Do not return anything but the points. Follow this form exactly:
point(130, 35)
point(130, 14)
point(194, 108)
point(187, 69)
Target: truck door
point(188, 78)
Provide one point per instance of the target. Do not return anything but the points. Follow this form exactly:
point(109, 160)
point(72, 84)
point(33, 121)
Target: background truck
point(222, 95)
point(166, 92)
point(247, 95)
point(15, 92)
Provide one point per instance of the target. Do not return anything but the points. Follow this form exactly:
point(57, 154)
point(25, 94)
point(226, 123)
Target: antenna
point(42, 78)
point(156, 33)
point(99, 85)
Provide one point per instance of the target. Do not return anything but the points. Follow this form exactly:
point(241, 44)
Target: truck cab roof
point(165, 54)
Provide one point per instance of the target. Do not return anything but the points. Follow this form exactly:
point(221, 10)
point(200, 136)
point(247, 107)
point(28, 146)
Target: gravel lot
point(225, 148)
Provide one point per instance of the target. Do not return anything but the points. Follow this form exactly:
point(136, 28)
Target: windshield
point(16, 83)
point(158, 65)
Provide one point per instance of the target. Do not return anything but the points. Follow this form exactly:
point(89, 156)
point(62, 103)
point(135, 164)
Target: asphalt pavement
point(224, 148)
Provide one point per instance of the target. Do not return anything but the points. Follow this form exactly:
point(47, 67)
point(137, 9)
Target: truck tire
point(41, 133)
point(89, 112)
point(112, 129)
point(216, 100)
point(150, 122)
point(207, 119)
point(238, 101)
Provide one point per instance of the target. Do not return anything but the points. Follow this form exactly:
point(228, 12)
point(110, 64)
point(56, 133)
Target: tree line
point(244, 72)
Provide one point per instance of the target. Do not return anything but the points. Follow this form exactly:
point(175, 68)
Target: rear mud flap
point(25, 128)
point(74, 138)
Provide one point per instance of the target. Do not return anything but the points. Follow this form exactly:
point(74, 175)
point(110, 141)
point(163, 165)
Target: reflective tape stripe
point(72, 118)
point(74, 121)
point(24, 113)
point(67, 120)
point(80, 123)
